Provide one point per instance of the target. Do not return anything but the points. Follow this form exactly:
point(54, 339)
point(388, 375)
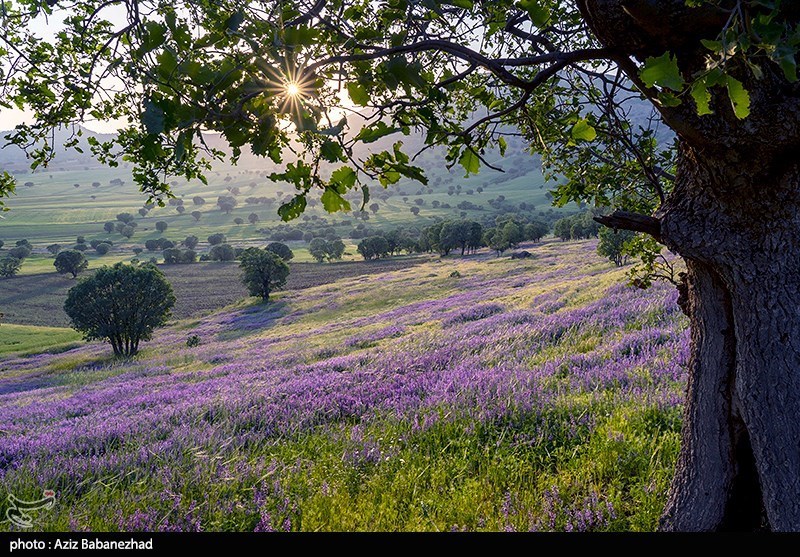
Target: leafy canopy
point(122, 304)
point(301, 83)
point(262, 272)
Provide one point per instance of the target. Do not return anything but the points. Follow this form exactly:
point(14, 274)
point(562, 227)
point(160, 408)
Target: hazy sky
point(47, 30)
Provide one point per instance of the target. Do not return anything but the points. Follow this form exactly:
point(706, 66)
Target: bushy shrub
point(262, 272)
point(222, 252)
point(9, 266)
point(70, 262)
point(109, 305)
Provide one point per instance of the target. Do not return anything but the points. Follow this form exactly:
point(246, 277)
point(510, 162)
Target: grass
point(22, 339)
point(383, 402)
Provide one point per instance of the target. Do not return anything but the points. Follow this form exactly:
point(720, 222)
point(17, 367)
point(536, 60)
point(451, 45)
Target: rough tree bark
point(734, 216)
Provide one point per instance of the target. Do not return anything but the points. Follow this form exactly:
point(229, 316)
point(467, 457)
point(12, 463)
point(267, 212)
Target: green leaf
point(740, 98)
point(331, 151)
point(662, 71)
point(668, 98)
point(152, 118)
point(583, 131)
point(389, 177)
point(375, 131)
point(470, 161)
point(358, 94)
point(345, 177)
point(501, 142)
point(788, 64)
point(537, 11)
point(332, 201)
point(294, 208)
point(702, 97)
point(154, 37)
point(234, 21)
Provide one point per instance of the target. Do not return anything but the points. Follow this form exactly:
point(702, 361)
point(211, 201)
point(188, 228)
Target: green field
point(54, 211)
point(21, 339)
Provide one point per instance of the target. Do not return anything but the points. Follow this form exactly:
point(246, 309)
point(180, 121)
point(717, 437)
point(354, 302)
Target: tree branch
point(635, 222)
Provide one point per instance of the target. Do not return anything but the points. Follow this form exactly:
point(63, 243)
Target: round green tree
point(612, 244)
point(262, 272)
point(70, 261)
point(318, 248)
point(281, 250)
point(122, 304)
point(9, 266)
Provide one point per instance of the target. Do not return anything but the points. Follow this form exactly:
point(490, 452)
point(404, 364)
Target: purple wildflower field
point(542, 394)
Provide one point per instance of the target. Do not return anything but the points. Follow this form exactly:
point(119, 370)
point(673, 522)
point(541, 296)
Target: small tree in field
point(70, 261)
point(253, 218)
point(161, 226)
point(54, 248)
point(9, 266)
point(103, 248)
point(191, 241)
point(318, 248)
point(109, 226)
point(612, 245)
point(334, 249)
point(222, 252)
point(216, 239)
point(196, 215)
point(281, 250)
point(262, 272)
point(121, 304)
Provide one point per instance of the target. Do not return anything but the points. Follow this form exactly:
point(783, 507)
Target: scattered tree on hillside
point(197, 200)
point(612, 244)
point(102, 248)
point(238, 221)
point(535, 231)
point(173, 256)
point(127, 231)
point(109, 227)
point(9, 266)
point(20, 252)
point(216, 239)
point(161, 226)
point(71, 262)
point(158, 244)
point(281, 250)
point(373, 247)
point(252, 218)
point(226, 203)
point(222, 252)
point(54, 248)
point(191, 241)
point(262, 272)
point(122, 304)
point(374, 208)
point(318, 249)
point(126, 218)
point(196, 215)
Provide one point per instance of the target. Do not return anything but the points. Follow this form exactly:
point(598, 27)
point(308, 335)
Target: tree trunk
point(738, 227)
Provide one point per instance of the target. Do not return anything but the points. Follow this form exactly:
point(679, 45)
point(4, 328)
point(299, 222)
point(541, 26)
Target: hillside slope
point(523, 395)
